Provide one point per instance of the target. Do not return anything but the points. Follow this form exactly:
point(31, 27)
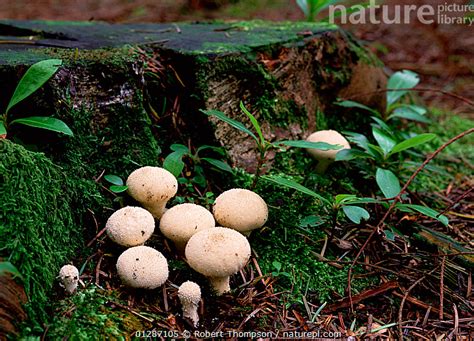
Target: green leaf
point(219, 150)
point(33, 79)
point(254, 122)
point(218, 164)
point(412, 142)
point(400, 80)
point(429, 212)
point(350, 154)
point(47, 123)
point(356, 213)
point(358, 139)
point(3, 130)
point(387, 182)
point(353, 104)
point(181, 148)
point(236, 124)
point(118, 189)
point(174, 163)
point(384, 141)
point(114, 179)
point(311, 221)
point(383, 125)
point(340, 198)
point(10, 268)
point(294, 185)
point(308, 144)
point(410, 112)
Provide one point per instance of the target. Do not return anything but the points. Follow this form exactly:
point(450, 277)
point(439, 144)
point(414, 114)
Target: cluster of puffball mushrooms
point(216, 252)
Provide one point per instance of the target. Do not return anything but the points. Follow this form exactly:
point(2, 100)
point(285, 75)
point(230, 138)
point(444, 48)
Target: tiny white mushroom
point(142, 267)
point(130, 226)
point(326, 157)
point(181, 222)
point(69, 276)
point(189, 294)
point(241, 210)
point(218, 253)
point(153, 187)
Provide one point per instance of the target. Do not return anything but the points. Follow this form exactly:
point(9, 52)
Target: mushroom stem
point(322, 166)
point(180, 246)
point(220, 284)
point(157, 210)
point(190, 311)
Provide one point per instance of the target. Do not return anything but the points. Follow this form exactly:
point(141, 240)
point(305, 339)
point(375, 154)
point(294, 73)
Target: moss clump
point(41, 220)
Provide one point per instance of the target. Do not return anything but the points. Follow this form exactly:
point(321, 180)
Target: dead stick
point(441, 288)
point(421, 304)
point(447, 93)
point(395, 201)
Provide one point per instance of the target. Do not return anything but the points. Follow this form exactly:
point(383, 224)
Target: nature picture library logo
point(373, 13)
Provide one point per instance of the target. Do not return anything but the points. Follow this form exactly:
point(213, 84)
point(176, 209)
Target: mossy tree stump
point(118, 82)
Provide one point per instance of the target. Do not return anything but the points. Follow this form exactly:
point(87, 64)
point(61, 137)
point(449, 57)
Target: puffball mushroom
point(189, 294)
point(241, 210)
point(69, 276)
point(326, 157)
point(153, 187)
point(142, 267)
point(130, 226)
point(218, 253)
point(181, 222)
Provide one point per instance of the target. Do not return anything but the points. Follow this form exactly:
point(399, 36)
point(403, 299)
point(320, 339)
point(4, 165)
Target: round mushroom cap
point(149, 185)
point(69, 273)
point(142, 267)
point(189, 292)
point(328, 136)
point(240, 209)
point(130, 226)
point(217, 252)
point(181, 222)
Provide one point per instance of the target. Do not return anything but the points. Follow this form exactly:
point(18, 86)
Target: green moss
point(41, 210)
point(89, 315)
point(115, 57)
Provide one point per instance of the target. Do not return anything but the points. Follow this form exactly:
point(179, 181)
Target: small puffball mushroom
point(69, 276)
point(130, 226)
point(189, 294)
point(181, 222)
point(142, 267)
point(241, 210)
point(218, 253)
point(152, 187)
point(326, 157)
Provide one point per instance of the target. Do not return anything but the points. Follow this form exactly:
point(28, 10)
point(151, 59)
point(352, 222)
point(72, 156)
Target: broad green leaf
point(3, 130)
point(174, 163)
point(38, 74)
point(340, 198)
point(375, 151)
point(218, 164)
point(254, 122)
point(294, 185)
point(7, 267)
point(118, 189)
point(356, 213)
point(400, 80)
point(410, 112)
point(47, 123)
point(311, 221)
point(308, 144)
point(216, 149)
point(180, 148)
point(384, 141)
point(350, 154)
point(236, 124)
point(353, 104)
point(412, 142)
point(387, 182)
point(383, 125)
point(114, 179)
point(358, 139)
point(429, 212)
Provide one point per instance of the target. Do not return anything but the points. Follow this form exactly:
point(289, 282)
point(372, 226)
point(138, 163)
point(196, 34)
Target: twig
point(400, 310)
point(458, 199)
point(441, 288)
point(447, 93)
point(394, 202)
point(455, 331)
